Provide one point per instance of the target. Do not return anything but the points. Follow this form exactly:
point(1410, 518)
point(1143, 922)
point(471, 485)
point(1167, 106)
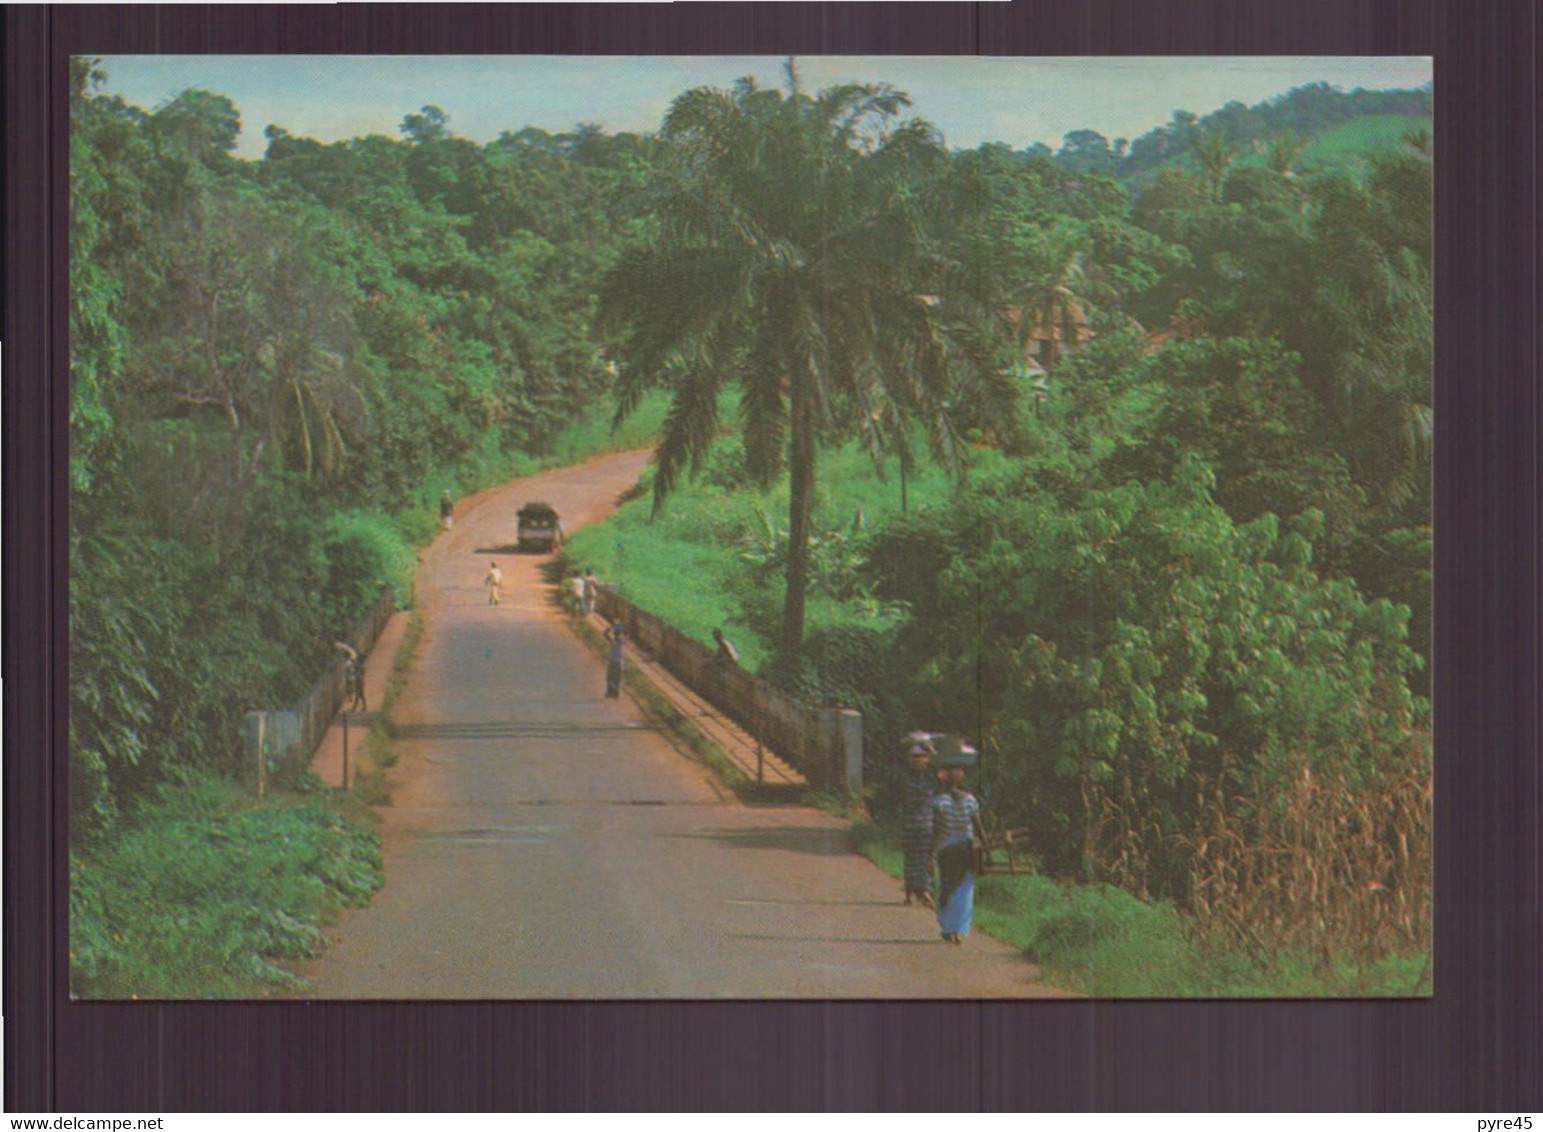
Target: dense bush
point(206, 890)
point(1129, 654)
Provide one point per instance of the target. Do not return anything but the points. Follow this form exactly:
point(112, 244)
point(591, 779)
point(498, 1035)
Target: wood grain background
point(1474, 1047)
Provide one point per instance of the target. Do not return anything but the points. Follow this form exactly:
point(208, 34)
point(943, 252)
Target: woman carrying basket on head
point(955, 826)
point(916, 819)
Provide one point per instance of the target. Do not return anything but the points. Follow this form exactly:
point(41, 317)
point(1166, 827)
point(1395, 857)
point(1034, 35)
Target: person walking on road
point(916, 820)
point(446, 511)
point(726, 653)
point(616, 633)
point(725, 656)
point(495, 584)
point(353, 678)
point(354, 682)
point(587, 597)
point(955, 825)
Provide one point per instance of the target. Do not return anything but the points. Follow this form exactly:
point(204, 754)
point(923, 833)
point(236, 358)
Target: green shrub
point(1095, 939)
point(365, 549)
point(593, 434)
point(205, 890)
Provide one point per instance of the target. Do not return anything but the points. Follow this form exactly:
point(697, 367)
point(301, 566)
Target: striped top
point(916, 814)
point(954, 819)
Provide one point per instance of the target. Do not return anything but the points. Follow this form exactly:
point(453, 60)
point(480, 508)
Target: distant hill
point(1342, 147)
point(1341, 128)
point(1359, 138)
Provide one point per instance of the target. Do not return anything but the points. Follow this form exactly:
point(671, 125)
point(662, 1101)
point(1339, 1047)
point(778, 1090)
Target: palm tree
point(1214, 154)
point(1281, 152)
point(1051, 289)
point(791, 262)
point(1383, 380)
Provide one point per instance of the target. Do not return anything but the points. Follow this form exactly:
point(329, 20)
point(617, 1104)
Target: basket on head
point(953, 751)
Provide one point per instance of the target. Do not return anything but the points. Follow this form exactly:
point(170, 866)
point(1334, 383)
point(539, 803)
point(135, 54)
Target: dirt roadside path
point(544, 842)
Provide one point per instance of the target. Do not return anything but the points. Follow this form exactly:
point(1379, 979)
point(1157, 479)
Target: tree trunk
point(800, 503)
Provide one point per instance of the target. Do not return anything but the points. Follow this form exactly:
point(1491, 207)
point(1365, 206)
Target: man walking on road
point(353, 678)
point(617, 635)
point(446, 511)
point(495, 584)
point(725, 656)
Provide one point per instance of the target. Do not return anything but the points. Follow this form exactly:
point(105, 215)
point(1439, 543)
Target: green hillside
point(1356, 140)
point(1341, 147)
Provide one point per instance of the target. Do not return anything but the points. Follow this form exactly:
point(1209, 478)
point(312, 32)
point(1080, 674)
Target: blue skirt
point(956, 888)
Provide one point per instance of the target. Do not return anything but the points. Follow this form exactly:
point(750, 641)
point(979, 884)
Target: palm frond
point(689, 428)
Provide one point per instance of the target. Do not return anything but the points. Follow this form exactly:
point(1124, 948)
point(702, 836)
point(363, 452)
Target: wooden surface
point(1473, 1047)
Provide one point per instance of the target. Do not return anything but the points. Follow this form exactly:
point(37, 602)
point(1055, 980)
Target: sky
point(971, 99)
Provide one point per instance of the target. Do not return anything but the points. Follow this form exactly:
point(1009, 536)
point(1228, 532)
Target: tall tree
point(1214, 154)
point(1047, 281)
point(792, 260)
point(1281, 152)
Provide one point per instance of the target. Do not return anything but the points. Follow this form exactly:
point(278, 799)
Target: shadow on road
point(789, 839)
point(887, 941)
point(821, 904)
point(518, 729)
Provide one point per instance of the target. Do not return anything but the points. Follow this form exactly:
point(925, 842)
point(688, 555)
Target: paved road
point(544, 842)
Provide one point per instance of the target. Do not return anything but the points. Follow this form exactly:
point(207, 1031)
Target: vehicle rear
point(540, 530)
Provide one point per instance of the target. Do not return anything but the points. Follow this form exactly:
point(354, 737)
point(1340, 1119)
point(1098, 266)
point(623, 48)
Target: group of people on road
point(583, 588)
point(939, 834)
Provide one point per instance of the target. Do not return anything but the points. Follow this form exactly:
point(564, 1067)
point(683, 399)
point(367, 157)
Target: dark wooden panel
point(1474, 1046)
point(31, 925)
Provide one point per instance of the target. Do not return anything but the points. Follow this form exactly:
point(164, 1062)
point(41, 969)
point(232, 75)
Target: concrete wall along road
point(823, 744)
point(274, 741)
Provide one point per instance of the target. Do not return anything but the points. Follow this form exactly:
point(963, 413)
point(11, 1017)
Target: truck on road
point(540, 528)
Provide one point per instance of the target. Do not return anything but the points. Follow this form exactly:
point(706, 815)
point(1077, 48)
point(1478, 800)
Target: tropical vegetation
point(1114, 459)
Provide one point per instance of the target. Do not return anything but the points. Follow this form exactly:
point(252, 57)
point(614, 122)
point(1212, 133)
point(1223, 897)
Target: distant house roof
point(1074, 316)
point(1179, 329)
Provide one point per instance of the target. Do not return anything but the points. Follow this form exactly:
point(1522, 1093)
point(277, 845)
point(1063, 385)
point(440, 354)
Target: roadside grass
point(592, 435)
point(1101, 941)
point(711, 557)
point(208, 888)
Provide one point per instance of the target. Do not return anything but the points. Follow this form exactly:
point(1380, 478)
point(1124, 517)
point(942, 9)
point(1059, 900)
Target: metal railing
point(822, 744)
point(274, 739)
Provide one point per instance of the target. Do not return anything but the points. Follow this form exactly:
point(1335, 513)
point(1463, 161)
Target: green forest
point(1114, 459)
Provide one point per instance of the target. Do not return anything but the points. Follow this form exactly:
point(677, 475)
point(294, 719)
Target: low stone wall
point(276, 740)
point(825, 745)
